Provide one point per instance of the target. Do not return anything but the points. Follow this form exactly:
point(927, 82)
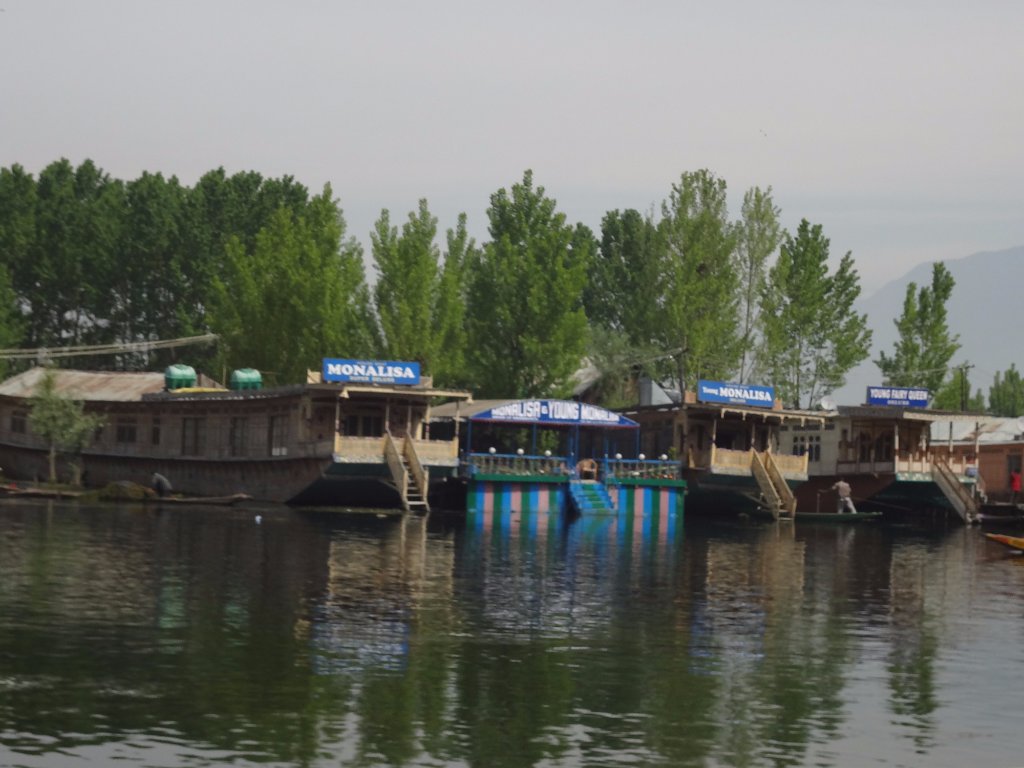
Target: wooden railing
point(764, 482)
point(961, 499)
point(782, 489)
point(420, 475)
point(394, 460)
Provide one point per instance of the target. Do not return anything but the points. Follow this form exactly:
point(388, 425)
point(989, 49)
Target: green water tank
point(178, 376)
point(246, 378)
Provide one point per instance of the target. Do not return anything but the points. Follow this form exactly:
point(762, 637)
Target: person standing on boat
point(845, 501)
point(1014, 486)
point(160, 484)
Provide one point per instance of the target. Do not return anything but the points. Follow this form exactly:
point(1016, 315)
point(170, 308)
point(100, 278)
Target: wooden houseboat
point(354, 435)
point(888, 451)
point(726, 439)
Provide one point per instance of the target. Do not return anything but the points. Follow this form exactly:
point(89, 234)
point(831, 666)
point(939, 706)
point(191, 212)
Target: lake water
point(199, 636)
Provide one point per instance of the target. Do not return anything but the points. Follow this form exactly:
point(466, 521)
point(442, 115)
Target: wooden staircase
point(778, 497)
point(959, 497)
point(409, 476)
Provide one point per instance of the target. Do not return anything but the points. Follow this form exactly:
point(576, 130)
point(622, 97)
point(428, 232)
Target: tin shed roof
point(104, 386)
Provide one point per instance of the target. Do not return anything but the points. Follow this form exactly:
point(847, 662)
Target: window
point(809, 444)
point(193, 436)
point(277, 437)
point(154, 431)
point(125, 431)
point(238, 435)
point(19, 420)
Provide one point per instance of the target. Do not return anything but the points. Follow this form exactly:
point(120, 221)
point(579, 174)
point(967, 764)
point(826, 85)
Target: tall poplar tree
point(699, 285)
point(812, 336)
point(408, 277)
point(759, 235)
point(527, 327)
point(1006, 395)
point(922, 353)
point(628, 264)
point(298, 295)
point(449, 366)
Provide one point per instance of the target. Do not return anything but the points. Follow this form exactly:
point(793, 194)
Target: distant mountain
point(985, 310)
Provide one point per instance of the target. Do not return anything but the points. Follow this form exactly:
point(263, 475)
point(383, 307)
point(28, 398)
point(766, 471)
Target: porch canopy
point(568, 416)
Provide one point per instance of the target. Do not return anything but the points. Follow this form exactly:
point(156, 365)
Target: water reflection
point(198, 637)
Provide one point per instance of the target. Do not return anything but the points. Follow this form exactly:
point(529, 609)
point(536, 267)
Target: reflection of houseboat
point(354, 435)
point(887, 455)
point(726, 438)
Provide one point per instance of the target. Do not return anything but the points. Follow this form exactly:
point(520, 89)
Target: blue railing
point(515, 464)
point(663, 469)
point(560, 466)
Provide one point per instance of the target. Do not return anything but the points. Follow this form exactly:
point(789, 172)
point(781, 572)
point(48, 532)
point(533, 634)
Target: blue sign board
point(371, 371)
point(735, 394)
point(555, 412)
point(905, 396)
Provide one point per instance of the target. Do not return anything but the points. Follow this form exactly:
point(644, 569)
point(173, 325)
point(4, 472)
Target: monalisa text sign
point(555, 412)
point(735, 394)
point(371, 371)
point(905, 396)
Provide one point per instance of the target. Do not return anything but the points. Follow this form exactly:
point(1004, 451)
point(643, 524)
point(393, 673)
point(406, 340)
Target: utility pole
point(963, 385)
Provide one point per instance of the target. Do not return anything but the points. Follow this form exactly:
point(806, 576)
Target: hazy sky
point(897, 125)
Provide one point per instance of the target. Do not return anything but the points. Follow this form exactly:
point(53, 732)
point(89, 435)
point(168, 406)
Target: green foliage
point(527, 328)
point(61, 422)
point(759, 235)
point(300, 291)
point(955, 393)
point(924, 348)
point(812, 336)
point(1006, 395)
point(698, 291)
point(407, 285)
point(621, 293)
point(449, 321)
point(617, 361)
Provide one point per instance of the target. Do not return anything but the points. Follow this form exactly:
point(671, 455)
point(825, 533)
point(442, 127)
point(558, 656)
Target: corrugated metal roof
point(986, 429)
point(103, 386)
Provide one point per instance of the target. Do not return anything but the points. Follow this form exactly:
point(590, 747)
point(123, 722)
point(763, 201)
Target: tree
point(812, 336)
point(1006, 395)
point(299, 294)
point(955, 393)
point(449, 367)
point(407, 287)
point(62, 423)
point(525, 318)
point(759, 235)
point(629, 261)
point(698, 287)
point(924, 348)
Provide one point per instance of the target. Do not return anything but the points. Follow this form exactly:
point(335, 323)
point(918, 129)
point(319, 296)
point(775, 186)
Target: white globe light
point(491, 450)
point(618, 456)
point(641, 457)
point(548, 454)
point(663, 457)
point(519, 451)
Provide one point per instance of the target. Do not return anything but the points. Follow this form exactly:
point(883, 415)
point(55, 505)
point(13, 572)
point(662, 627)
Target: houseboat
point(725, 438)
point(992, 450)
point(354, 435)
point(546, 457)
point(889, 451)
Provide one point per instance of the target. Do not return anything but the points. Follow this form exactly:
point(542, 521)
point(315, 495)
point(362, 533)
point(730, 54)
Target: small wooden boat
point(1013, 542)
point(837, 517)
point(220, 501)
